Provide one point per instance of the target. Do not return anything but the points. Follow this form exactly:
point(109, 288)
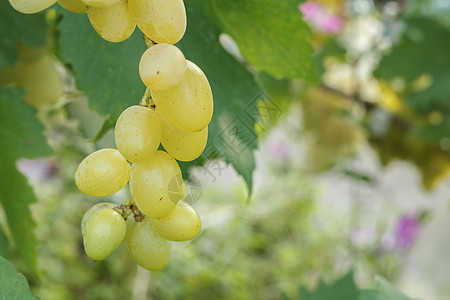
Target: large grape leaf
point(15, 27)
point(20, 136)
point(107, 72)
point(232, 134)
point(271, 35)
point(13, 285)
point(343, 288)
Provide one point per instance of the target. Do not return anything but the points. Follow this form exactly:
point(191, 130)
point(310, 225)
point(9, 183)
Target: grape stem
point(147, 100)
point(148, 42)
point(129, 207)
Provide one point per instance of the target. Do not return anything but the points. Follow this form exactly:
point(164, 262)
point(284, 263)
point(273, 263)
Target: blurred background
point(351, 172)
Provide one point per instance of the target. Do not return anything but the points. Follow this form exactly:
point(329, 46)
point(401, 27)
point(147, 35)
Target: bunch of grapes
point(163, 21)
point(174, 112)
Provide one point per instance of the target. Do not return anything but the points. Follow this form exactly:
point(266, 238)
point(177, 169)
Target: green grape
point(75, 6)
point(31, 6)
point(113, 23)
point(184, 146)
point(97, 207)
point(155, 184)
point(162, 66)
point(189, 105)
point(147, 248)
point(100, 3)
point(137, 133)
point(103, 233)
point(102, 173)
point(163, 21)
point(182, 224)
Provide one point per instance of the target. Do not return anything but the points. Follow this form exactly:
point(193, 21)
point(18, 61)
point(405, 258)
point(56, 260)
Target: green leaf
point(20, 136)
point(17, 27)
point(386, 289)
point(13, 285)
point(107, 72)
point(231, 132)
point(4, 245)
point(271, 35)
point(383, 291)
point(343, 288)
point(371, 295)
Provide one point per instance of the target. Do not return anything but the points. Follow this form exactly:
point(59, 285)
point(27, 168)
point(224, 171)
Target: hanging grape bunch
point(175, 112)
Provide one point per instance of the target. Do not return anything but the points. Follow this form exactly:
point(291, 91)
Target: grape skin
point(137, 133)
point(182, 224)
point(163, 21)
point(155, 184)
point(103, 233)
point(147, 248)
point(97, 207)
point(183, 146)
point(188, 106)
point(100, 3)
point(102, 173)
point(162, 66)
point(75, 6)
point(31, 6)
point(113, 23)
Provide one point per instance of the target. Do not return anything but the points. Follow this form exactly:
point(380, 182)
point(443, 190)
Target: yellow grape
point(184, 146)
point(31, 6)
point(113, 23)
point(189, 105)
point(100, 3)
point(97, 207)
point(147, 248)
point(182, 224)
point(137, 133)
point(163, 21)
point(103, 233)
point(162, 66)
point(75, 6)
point(37, 74)
point(155, 184)
point(102, 173)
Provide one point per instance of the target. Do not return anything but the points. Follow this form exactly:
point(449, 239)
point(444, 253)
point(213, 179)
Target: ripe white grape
point(97, 207)
point(189, 105)
point(155, 184)
point(163, 21)
point(103, 233)
point(182, 224)
point(75, 6)
point(184, 146)
point(113, 23)
point(31, 6)
point(137, 133)
point(102, 173)
point(162, 66)
point(100, 3)
point(147, 248)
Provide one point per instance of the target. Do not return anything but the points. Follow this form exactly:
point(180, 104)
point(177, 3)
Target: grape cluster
point(174, 112)
point(163, 21)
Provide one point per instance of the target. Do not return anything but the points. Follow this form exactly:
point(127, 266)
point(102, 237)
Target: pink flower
point(407, 231)
point(319, 18)
point(280, 150)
